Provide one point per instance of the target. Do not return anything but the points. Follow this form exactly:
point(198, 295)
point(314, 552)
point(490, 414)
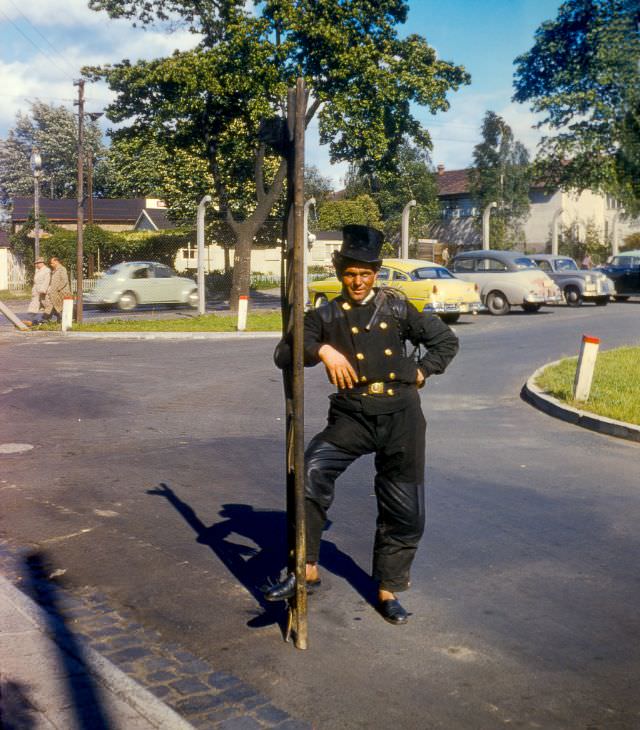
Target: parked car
point(577, 285)
point(506, 279)
point(624, 271)
point(141, 282)
point(428, 286)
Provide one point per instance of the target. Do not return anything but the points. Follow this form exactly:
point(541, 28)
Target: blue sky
point(44, 43)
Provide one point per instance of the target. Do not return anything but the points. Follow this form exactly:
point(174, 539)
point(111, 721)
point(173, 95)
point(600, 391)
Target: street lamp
point(36, 169)
point(93, 116)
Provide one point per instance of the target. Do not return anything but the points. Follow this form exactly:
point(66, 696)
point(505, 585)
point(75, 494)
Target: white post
point(404, 247)
point(586, 365)
point(308, 242)
point(200, 240)
point(554, 231)
point(486, 218)
point(67, 313)
point(243, 304)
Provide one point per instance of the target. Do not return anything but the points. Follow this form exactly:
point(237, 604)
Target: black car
point(624, 271)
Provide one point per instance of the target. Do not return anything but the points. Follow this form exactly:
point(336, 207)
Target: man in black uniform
point(360, 338)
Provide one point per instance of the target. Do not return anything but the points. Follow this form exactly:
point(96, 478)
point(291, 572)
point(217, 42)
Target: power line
point(46, 40)
point(33, 43)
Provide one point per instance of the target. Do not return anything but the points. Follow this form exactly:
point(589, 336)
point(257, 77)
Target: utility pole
point(80, 208)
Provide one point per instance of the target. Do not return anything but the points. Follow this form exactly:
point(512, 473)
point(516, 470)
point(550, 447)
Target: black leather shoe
point(392, 611)
point(287, 588)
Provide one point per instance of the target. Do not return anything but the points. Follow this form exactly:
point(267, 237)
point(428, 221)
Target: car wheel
point(620, 298)
point(572, 296)
point(528, 307)
point(602, 301)
point(127, 301)
point(320, 301)
point(193, 299)
point(497, 303)
point(450, 318)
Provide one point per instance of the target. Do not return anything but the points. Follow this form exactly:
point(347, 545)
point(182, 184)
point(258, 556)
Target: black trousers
point(398, 441)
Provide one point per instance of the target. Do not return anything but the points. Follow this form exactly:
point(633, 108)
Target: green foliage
point(54, 131)
point(593, 243)
point(501, 174)
point(631, 242)
point(583, 75)
point(316, 185)
point(333, 215)
point(409, 177)
point(107, 247)
point(364, 82)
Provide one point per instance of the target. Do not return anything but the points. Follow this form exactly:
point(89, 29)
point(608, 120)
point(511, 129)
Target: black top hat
point(361, 243)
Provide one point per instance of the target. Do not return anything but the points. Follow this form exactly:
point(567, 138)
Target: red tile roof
point(453, 182)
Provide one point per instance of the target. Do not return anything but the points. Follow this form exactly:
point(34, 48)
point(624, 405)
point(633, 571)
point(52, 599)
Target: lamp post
point(36, 169)
point(93, 116)
point(486, 223)
point(404, 243)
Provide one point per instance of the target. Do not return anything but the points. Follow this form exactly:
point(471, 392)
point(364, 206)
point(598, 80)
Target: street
point(157, 477)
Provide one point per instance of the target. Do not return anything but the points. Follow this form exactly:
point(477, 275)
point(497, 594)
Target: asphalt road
point(157, 476)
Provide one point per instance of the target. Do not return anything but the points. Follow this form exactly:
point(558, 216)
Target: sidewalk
point(48, 679)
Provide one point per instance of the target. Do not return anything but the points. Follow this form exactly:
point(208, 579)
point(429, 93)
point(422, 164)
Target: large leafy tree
point(362, 77)
point(410, 177)
point(501, 174)
point(362, 210)
point(54, 131)
point(583, 75)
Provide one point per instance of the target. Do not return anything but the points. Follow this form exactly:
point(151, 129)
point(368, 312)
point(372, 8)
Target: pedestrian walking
point(360, 337)
point(41, 280)
point(58, 289)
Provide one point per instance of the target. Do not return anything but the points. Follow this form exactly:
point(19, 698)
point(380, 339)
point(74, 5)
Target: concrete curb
point(553, 407)
point(105, 672)
point(156, 335)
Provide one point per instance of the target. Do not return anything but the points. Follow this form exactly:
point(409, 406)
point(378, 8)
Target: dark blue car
point(624, 271)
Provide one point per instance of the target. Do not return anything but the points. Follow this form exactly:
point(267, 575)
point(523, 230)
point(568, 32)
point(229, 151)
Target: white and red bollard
point(243, 305)
point(586, 364)
point(67, 313)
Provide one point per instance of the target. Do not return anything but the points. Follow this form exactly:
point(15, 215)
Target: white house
point(459, 223)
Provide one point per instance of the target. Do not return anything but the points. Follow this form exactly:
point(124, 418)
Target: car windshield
point(112, 270)
point(524, 263)
point(431, 272)
point(566, 265)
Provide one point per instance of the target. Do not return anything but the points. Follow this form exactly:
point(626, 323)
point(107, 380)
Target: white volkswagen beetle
point(141, 282)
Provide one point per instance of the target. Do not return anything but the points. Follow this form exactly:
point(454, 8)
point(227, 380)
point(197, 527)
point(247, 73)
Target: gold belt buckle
point(375, 388)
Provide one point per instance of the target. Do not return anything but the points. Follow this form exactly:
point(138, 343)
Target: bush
point(631, 242)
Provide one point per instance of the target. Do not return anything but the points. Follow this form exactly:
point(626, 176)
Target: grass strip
point(256, 322)
point(6, 295)
point(615, 391)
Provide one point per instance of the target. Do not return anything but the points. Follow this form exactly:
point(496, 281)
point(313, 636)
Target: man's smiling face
point(358, 280)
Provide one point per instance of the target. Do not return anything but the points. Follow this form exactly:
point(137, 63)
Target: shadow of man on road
point(254, 566)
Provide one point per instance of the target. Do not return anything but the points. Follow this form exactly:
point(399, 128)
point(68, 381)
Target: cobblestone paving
point(205, 697)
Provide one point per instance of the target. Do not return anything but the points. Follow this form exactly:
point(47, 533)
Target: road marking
point(15, 448)
point(105, 513)
point(66, 537)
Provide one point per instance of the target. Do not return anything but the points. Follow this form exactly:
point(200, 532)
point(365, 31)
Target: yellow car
point(428, 286)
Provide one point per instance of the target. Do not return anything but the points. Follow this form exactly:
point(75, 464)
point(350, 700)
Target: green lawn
point(6, 295)
point(615, 392)
point(256, 322)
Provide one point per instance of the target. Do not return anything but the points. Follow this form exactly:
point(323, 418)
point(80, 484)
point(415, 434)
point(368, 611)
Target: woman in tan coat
point(58, 289)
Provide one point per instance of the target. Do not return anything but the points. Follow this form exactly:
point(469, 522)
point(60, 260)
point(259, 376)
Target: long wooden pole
point(294, 376)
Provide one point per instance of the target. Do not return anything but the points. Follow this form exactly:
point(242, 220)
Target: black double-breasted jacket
point(375, 337)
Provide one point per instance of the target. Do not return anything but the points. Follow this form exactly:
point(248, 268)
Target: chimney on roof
point(440, 169)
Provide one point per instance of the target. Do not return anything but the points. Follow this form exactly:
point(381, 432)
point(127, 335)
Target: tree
point(335, 214)
point(54, 131)
point(501, 174)
point(583, 74)
point(316, 185)
point(139, 167)
point(362, 79)
point(411, 177)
